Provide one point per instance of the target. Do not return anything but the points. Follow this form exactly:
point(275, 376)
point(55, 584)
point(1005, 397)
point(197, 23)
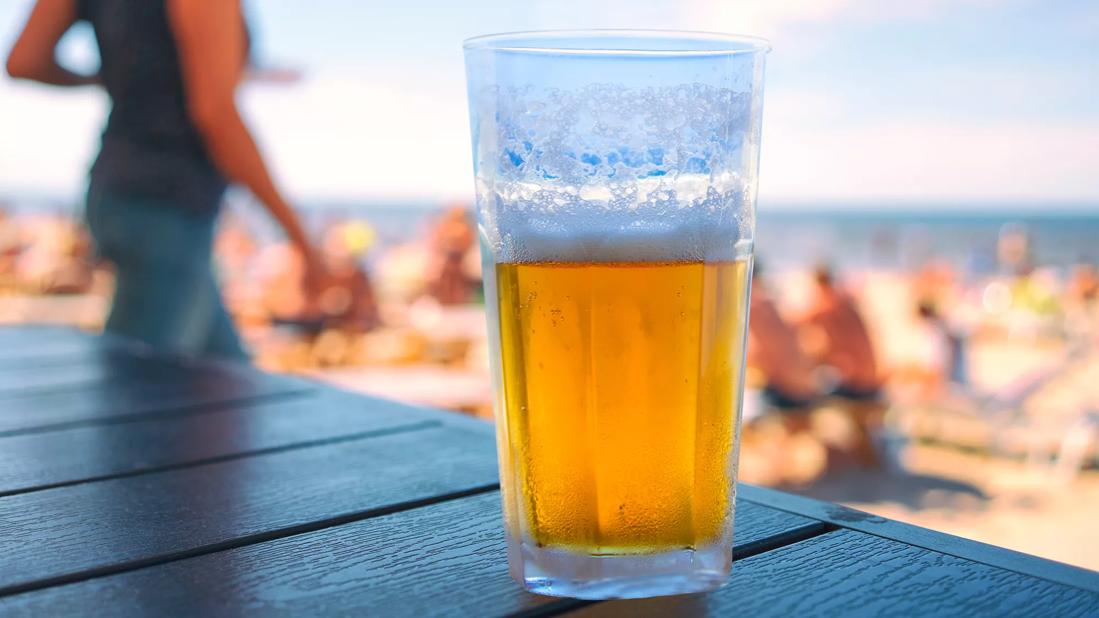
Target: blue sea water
point(909, 238)
point(890, 236)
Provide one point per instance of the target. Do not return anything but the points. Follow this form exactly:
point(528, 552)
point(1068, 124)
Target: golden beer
point(620, 394)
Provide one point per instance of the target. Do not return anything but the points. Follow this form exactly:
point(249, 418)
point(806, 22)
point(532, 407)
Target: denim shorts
point(166, 293)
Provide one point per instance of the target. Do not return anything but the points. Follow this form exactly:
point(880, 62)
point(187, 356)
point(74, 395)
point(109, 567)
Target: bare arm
point(34, 55)
point(210, 38)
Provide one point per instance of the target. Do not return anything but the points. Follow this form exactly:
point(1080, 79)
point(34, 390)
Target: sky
point(876, 102)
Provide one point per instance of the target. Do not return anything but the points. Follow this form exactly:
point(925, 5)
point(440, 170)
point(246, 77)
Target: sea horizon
point(984, 208)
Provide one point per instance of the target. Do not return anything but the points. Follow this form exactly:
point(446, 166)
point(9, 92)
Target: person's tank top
point(150, 149)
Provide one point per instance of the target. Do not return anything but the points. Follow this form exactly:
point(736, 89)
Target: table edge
point(941, 542)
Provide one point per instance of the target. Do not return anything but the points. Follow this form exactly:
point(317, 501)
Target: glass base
point(561, 573)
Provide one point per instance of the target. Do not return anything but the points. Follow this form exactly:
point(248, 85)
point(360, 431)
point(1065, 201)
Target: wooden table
point(138, 484)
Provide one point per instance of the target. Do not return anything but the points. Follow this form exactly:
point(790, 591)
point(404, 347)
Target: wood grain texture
point(40, 460)
point(850, 573)
point(16, 336)
point(169, 387)
point(444, 559)
point(104, 365)
point(57, 352)
point(974, 551)
point(49, 536)
point(207, 499)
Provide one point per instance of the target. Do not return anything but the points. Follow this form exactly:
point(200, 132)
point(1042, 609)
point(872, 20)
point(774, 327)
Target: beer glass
point(616, 180)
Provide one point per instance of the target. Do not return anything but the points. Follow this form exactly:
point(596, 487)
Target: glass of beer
point(616, 180)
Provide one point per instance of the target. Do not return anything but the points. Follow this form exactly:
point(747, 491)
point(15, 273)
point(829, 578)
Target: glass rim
point(596, 42)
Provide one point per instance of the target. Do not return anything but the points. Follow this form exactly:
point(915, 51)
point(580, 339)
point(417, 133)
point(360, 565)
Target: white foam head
point(607, 173)
point(692, 218)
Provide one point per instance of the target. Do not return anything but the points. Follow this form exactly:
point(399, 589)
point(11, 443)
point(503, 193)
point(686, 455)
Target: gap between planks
point(351, 437)
point(244, 541)
point(182, 409)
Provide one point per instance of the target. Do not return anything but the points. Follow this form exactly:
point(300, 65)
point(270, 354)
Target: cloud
point(330, 136)
point(400, 128)
point(342, 137)
point(1009, 161)
point(49, 136)
point(339, 137)
point(767, 17)
point(762, 16)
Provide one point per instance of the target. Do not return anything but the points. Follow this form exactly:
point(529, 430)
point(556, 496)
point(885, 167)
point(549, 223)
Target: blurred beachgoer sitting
point(349, 303)
point(787, 449)
point(10, 248)
point(1082, 302)
point(837, 337)
point(173, 140)
point(1083, 286)
point(451, 239)
point(73, 273)
point(774, 352)
point(326, 329)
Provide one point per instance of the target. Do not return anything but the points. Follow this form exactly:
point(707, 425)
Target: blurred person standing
point(172, 142)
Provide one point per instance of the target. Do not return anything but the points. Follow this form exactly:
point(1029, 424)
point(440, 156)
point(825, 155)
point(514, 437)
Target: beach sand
point(1006, 503)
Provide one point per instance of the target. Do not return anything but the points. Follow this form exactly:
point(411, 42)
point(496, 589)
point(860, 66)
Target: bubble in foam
point(608, 173)
point(656, 225)
point(609, 130)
